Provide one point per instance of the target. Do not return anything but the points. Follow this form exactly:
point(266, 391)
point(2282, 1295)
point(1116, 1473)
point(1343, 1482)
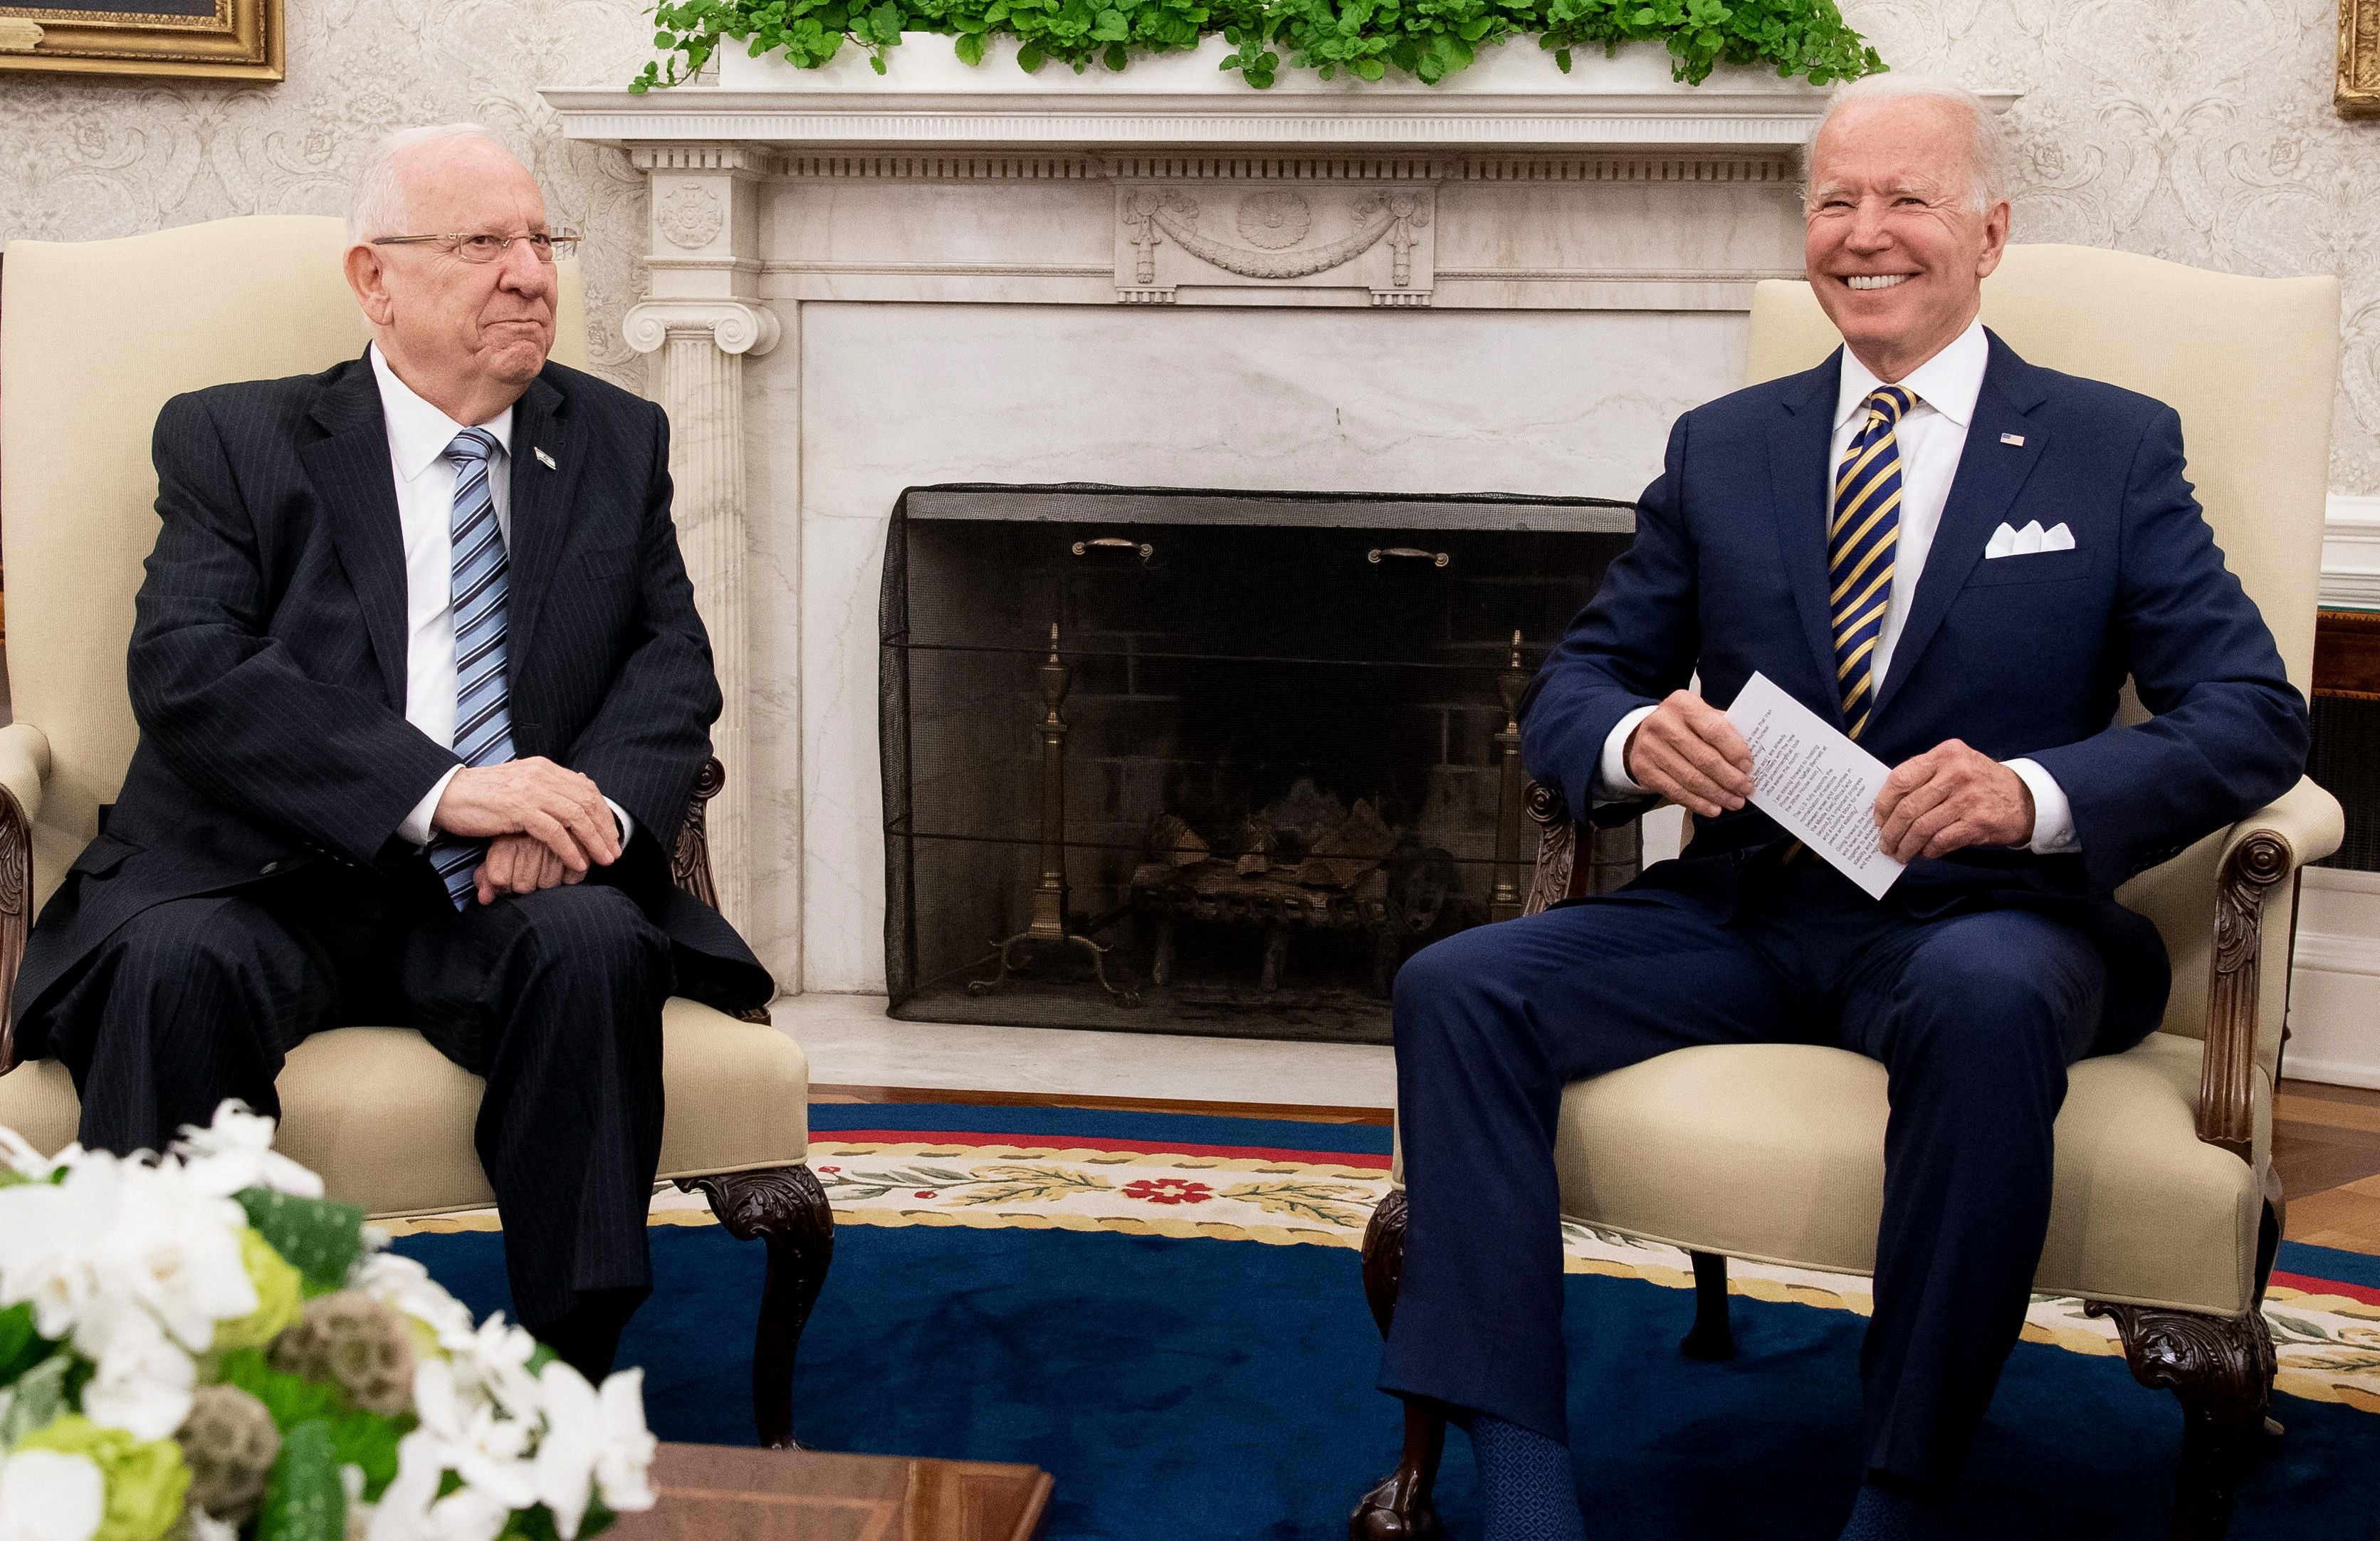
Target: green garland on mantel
point(1427, 39)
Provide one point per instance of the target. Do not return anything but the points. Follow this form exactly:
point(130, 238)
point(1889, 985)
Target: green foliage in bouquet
point(21, 1347)
point(365, 1440)
point(322, 1239)
point(304, 1500)
point(1429, 40)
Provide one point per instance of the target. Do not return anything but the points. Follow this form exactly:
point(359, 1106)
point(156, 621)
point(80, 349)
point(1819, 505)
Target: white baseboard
point(2350, 552)
point(2334, 1032)
point(2330, 1072)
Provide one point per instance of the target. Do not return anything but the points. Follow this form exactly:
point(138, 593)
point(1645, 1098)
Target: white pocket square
point(2032, 538)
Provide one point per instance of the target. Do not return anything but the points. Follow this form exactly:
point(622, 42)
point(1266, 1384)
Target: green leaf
point(22, 1345)
point(303, 1499)
point(969, 48)
point(320, 1237)
point(37, 1399)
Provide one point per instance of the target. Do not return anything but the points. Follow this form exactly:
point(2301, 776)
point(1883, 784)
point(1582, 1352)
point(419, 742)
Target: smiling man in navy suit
point(1957, 558)
point(422, 695)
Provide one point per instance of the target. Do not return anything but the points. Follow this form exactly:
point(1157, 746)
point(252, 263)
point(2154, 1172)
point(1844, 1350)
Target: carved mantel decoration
point(1373, 236)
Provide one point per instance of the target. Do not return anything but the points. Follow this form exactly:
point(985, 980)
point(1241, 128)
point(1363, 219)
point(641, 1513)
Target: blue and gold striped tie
point(483, 713)
point(1860, 548)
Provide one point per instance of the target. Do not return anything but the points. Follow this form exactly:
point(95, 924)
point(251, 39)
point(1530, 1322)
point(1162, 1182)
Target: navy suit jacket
point(268, 657)
point(2017, 656)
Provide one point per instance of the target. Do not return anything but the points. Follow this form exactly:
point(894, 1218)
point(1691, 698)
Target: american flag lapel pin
point(547, 461)
point(2016, 439)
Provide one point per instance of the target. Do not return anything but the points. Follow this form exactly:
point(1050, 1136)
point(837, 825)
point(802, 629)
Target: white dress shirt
point(1931, 437)
point(418, 434)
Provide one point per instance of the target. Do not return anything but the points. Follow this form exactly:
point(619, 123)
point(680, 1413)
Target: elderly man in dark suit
point(422, 695)
point(1955, 558)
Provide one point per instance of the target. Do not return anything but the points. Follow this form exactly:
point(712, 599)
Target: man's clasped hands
point(544, 824)
point(1938, 802)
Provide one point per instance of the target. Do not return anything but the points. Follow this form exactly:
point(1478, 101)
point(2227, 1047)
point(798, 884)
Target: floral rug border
point(2328, 1344)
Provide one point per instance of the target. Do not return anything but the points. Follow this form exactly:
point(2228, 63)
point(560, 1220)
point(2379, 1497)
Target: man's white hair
point(376, 206)
point(1986, 149)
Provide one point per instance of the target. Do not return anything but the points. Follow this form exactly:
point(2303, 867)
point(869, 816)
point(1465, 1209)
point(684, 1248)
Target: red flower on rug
point(1168, 1190)
point(924, 1192)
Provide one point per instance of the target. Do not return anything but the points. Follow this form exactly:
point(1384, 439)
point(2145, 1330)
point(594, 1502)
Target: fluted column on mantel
point(702, 319)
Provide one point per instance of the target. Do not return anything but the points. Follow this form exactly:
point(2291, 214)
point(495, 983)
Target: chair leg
point(2268, 1252)
point(2221, 1370)
point(785, 1209)
point(1710, 1337)
point(1399, 1508)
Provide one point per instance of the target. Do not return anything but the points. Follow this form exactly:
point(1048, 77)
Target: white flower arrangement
point(200, 1346)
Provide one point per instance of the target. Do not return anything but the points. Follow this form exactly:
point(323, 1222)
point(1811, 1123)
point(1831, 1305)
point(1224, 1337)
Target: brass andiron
point(1505, 900)
point(1049, 922)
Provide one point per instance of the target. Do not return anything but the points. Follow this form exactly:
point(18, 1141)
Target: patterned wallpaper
point(2200, 130)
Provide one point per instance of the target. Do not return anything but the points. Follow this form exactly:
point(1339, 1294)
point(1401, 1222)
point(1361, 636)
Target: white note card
point(1811, 778)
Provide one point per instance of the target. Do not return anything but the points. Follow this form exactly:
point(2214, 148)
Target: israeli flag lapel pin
point(547, 461)
point(2016, 439)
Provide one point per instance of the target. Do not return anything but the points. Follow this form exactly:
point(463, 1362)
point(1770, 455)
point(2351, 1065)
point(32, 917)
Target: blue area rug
point(1182, 1388)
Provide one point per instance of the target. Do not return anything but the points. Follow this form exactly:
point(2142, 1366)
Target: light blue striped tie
point(483, 713)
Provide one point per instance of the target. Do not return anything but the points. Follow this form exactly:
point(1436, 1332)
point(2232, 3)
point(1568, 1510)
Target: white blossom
point(493, 1361)
point(206, 1527)
point(47, 1495)
point(116, 1229)
point(405, 1285)
point(410, 1509)
point(235, 1152)
point(143, 1380)
point(592, 1441)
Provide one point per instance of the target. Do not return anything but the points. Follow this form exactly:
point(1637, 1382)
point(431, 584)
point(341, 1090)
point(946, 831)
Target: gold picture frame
point(2358, 57)
point(204, 40)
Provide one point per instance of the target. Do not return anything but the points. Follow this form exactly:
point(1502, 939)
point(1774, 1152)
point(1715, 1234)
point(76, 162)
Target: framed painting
point(2358, 57)
point(221, 39)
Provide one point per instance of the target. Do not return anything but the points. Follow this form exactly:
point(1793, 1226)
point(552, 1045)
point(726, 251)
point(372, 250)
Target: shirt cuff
point(628, 825)
point(416, 828)
point(1612, 780)
point(2053, 816)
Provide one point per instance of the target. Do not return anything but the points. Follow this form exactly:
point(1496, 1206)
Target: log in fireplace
point(1210, 762)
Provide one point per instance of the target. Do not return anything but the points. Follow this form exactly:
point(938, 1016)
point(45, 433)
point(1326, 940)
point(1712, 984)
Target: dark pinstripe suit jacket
point(268, 657)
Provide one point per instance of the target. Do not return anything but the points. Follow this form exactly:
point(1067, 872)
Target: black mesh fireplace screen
point(1210, 762)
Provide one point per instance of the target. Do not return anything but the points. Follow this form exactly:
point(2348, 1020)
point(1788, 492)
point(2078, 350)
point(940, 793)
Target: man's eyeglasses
point(487, 248)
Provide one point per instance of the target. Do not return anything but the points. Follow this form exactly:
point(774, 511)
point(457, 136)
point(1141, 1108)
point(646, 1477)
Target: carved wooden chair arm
point(24, 770)
point(1574, 857)
point(2304, 824)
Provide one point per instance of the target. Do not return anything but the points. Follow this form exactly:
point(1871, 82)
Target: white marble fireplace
point(1162, 278)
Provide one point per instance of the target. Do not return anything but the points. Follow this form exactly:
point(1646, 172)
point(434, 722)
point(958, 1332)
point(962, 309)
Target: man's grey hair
point(1986, 149)
point(376, 206)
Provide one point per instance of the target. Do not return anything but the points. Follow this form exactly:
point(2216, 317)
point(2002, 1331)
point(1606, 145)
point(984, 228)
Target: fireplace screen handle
point(1436, 559)
point(1114, 542)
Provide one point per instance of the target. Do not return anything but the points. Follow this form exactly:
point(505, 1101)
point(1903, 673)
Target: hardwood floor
point(2326, 1146)
point(2325, 1142)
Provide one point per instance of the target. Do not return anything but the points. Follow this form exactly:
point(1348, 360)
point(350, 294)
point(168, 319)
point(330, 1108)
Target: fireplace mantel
point(1512, 97)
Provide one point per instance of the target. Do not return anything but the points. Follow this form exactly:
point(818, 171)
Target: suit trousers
point(554, 998)
point(1975, 1016)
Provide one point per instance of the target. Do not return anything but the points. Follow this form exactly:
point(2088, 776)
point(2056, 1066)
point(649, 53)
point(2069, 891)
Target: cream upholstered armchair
point(2167, 1212)
point(93, 338)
